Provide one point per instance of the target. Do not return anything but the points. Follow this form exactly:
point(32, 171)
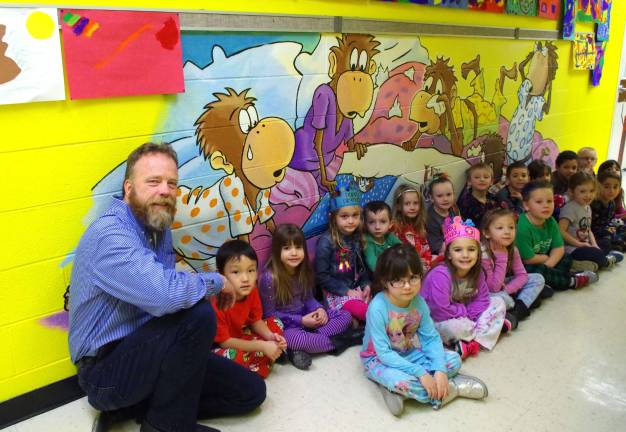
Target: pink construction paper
point(121, 53)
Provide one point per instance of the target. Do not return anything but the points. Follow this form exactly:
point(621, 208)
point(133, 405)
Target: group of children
point(473, 285)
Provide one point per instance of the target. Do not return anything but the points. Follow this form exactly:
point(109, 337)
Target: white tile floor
point(564, 369)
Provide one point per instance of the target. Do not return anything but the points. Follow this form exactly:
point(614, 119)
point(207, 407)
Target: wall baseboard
point(39, 401)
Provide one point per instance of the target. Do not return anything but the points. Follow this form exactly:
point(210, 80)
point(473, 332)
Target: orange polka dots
point(186, 199)
point(206, 228)
point(235, 192)
point(228, 206)
point(266, 194)
point(205, 267)
point(176, 224)
point(268, 211)
point(248, 220)
point(205, 193)
point(195, 255)
point(195, 211)
point(213, 202)
point(227, 181)
point(195, 192)
point(220, 228)
point(186, 239)
point(220, 214)
point(178, 192)
point(237, 216)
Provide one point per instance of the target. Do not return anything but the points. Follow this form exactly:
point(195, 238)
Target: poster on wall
point(584, 51)
point(596, 75)
point(550, 9)
point(602, 29)
point(31, 67)
point(121, 53)
point(522, 7)
point(589, 11)
point(569, 19)
point(461, 4)
point(495, 6)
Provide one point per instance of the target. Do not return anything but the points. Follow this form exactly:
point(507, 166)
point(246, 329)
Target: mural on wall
point(494, 6)
point(268, 128)
point(550, 9)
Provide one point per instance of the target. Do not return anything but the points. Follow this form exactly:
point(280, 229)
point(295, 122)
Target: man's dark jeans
point(167, 366)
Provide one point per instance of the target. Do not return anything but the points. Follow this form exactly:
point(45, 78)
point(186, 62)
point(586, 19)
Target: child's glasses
point(400, 283)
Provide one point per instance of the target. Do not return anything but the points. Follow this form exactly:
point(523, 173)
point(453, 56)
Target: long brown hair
point(287, 235)
point(472, 277)
point(419, 223)
point(490, 217)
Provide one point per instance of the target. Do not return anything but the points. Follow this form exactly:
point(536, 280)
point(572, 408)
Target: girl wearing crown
point(340, 270)
point(457, 294)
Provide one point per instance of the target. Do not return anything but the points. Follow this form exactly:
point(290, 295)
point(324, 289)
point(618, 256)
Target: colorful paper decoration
point(31, 66)
point(584, 51)
point(596, 75)
point(550, 9)
point(522, 7)
point(589, 11)
point(496, 6)
point(569, 19)
point(602, 30)
point(121, 53)
point(460, 4)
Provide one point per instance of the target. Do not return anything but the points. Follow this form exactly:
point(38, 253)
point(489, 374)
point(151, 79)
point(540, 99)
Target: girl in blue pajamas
point(402, 351)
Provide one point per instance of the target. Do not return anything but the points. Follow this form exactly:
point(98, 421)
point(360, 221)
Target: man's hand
point(226, 297)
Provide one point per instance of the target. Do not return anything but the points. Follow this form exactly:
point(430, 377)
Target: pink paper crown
point(456, 228)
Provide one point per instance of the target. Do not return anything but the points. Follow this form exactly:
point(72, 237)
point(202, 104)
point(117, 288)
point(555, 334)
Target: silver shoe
point(453, 393)
point(394, 401)
point(470, 387)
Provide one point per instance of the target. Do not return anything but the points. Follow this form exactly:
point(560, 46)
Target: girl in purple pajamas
point(286, 289)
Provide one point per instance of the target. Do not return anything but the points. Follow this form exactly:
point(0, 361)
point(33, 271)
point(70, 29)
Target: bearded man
point(140, 332)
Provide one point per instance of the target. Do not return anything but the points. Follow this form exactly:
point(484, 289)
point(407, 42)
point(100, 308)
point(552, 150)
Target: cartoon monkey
point(430, 107)
point(8, 68)
point(254, 154)
point(532, 102)
point(328, 123)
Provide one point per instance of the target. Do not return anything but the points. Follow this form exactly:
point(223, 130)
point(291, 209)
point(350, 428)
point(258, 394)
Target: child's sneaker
point(464, 386)
point(616, 257)
point(585, 278)
point(466, 349)
point(510, 323)
point(611, 261)
point(546, 292)
point(300, 359)
point(583, 266)
point(394, 401)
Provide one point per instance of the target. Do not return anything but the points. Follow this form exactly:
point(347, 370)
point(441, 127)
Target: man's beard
point(153, 218)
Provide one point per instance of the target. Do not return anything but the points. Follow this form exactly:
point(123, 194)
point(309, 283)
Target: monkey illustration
point(439, 110)
point(8, 68)
point(328, 123)
point(532, 103)
point(254, 154)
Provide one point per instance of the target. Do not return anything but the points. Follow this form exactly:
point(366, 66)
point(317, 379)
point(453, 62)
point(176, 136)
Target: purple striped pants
point(318, 340)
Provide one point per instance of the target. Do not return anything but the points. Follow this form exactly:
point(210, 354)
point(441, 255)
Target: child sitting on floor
point(402, 350)
point(441, 191)
point(241, 334)
point(477, 200)
point(377, 236)
point(510, 196)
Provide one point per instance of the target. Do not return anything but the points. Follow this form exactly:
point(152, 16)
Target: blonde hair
point(419, 222)
point(336, 236)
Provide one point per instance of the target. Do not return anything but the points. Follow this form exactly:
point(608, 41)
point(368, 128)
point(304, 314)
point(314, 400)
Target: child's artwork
point(596, 75)
point(461, 4)
point(584, 51)
point(569, 19)
point(589, 10)
point(496, 6)
point(602, 30)
point(550, 9)
point(121, 53)
point(522, 7)
point(31, 68)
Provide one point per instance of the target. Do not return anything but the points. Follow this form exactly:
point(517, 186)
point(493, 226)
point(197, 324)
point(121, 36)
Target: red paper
point(550, 9)
point(121, 53)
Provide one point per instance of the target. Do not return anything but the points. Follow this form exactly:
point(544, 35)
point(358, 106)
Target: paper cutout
point(522, 7)
point(584, 51)
point(121, 53)
point(569, 19)
point(550, 9)
point(602, 30)
point(460, 4)
point(596, 75)
point(496, 6)
point(31, 68)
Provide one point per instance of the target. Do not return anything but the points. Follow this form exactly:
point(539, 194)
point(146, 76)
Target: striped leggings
point(318, 340)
